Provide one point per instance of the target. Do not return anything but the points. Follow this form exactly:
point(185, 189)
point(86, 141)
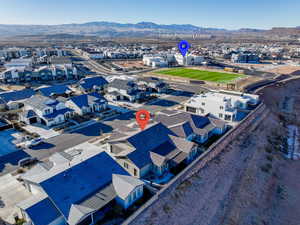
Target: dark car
point(27, 161)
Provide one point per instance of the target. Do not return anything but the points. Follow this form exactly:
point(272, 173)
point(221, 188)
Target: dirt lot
point(131, 64)
point(286, 70)
point(250, 183)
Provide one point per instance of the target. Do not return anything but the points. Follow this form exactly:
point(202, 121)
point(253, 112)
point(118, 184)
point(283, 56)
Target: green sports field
point(201, 75)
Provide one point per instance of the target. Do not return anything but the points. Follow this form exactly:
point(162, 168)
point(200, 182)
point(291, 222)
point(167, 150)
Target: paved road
point(68, 140)
point(62, 142)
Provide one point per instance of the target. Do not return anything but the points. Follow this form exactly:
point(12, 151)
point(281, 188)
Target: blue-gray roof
point(86, 99)
point(89, 83)
point(55, 89)
point(29, 113)
point(17, 95)
point(42, 213)
point(79, 182)
point(151, 139)
point(200, 121)
point(58, 112)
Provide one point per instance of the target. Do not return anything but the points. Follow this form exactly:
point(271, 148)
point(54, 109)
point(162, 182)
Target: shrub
point(269, 157)
point(166, 208)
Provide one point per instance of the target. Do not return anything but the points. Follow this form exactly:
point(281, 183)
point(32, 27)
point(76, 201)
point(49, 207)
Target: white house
point(188, 59)
point(19, 63)
point(222, 104)
point(154, 61)
point(127, 90)
point(44, 110)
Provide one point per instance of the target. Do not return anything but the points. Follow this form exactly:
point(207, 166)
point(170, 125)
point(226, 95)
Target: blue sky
point(231, 14)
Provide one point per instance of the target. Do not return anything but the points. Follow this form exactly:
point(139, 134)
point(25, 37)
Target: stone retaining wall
point(249, 122)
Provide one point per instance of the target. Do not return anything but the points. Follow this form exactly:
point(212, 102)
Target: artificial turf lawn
point(201, 75)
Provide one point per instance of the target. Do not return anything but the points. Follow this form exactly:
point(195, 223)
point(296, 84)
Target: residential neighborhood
point(149, 113)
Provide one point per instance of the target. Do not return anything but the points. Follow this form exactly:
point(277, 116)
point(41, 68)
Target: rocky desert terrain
point(250, 183)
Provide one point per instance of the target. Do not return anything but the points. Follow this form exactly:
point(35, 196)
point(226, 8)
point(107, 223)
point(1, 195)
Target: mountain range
point(142, 29)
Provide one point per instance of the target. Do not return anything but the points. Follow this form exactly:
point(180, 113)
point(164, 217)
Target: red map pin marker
point(142, 118)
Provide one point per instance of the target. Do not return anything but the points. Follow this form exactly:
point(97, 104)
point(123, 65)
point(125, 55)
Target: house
point(93, 54)
point(154, 150)
point(221, 104)
point(21, 62)
point(153, 84)
point(44, 73)
point(87, 103)
point(77, 187)
point(44, 110)
point(61, 61)
point(128, 189)
point(245, 57)
point(128, 90)
point(189, 59)
point(190, 126)
point(55, 91)
point(154, 61)
point(56, 72)
point(92, 84)
point(16, 75)
point(14, 99)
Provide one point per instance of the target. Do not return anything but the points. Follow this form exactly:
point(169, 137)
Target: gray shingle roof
point(183, 124)
point(17, 95)
point(122, 84)
point(55, 90)
point(124, 185)
point(155, 144)
point(86, 100)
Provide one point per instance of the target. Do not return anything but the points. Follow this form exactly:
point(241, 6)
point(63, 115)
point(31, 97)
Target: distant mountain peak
point(114, 29)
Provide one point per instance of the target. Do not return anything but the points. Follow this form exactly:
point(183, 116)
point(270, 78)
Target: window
point(220, 115)
point(126, 165)
point(191, 109)
point(221, 107)
point(203, 103)
point(129, 198)
point(134, 172)
point(47, 111)
point(227, 117)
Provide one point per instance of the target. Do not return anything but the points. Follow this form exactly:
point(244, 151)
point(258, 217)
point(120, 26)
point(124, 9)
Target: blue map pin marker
point(183, 47)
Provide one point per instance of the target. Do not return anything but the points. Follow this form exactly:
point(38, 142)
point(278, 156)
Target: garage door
point(32, 120)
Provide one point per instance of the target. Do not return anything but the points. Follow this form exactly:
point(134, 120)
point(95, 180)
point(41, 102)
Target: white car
point(33, 142)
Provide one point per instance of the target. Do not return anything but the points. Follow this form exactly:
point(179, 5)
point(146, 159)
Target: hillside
point(142, 29)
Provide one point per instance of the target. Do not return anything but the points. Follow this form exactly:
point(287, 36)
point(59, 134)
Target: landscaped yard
point(201, 75)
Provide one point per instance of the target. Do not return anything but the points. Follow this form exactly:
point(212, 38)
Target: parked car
point(33, 142)
point(27, 161)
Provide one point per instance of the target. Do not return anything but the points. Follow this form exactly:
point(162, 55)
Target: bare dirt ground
point(131, 64)
point(285, 69)
point(250, 183)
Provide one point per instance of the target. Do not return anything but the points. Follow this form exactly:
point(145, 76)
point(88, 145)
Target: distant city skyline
point(231, 14)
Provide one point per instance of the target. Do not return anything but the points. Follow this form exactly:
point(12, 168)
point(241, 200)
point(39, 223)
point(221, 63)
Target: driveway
point(62, 142)
point(43, 131)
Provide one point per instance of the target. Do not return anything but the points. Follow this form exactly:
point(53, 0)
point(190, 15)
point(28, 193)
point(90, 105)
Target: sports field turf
point(201, 75)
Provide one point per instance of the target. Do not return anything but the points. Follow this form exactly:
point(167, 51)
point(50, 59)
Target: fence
point(250, 121)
